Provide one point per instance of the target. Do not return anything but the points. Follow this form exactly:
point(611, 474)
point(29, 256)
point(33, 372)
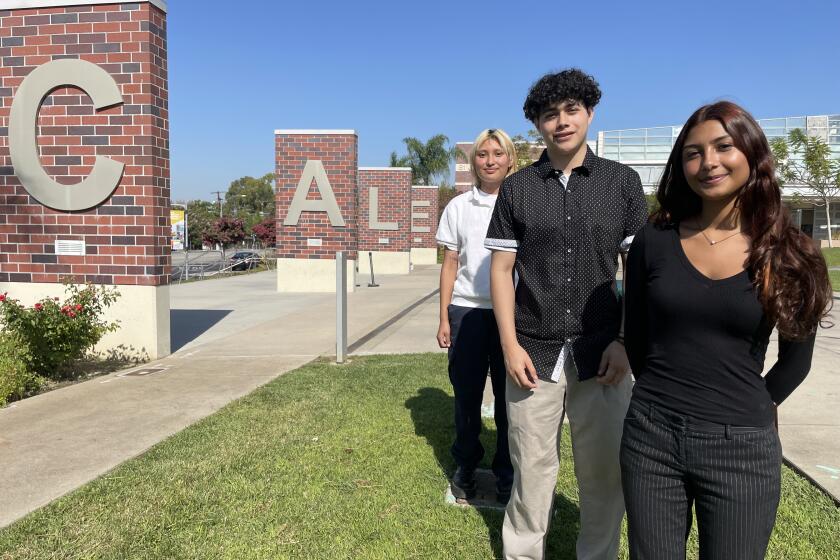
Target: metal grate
point(69, 247)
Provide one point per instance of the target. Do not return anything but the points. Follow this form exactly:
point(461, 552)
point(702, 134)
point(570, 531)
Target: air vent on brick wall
point(69, 247)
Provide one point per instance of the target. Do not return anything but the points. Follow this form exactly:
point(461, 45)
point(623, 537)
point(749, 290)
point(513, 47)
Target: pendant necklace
point(711, 241)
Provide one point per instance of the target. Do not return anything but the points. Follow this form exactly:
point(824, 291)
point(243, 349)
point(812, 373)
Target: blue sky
point(240, 70)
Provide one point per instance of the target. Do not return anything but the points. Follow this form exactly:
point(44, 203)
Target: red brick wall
point(424, 240)
point(394, 186)
point(339, 155)
point(127, 237)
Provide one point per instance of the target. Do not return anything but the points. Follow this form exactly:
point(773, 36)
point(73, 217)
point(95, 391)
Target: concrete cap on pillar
point(292, 131)
point(20, 4)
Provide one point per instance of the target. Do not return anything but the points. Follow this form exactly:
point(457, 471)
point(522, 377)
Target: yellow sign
point(176, 217)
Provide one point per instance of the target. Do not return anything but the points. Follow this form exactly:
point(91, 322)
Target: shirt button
point(568, 279)
point(568, 217)
point(568, 311)
point(568, 250)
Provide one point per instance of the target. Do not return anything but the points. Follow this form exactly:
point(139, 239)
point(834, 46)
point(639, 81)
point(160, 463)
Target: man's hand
point(520, 368)
point(443, 335)
point(614, 364)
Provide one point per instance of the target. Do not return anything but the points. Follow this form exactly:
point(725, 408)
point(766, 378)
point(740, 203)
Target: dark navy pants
point(730, 474)
point(474, 349)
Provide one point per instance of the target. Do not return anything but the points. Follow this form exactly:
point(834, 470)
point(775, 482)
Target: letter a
point(314, 169)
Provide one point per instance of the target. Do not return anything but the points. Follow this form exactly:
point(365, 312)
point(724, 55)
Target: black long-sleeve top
point(696, 345)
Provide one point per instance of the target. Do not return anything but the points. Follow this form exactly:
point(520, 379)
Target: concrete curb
point(792, 466)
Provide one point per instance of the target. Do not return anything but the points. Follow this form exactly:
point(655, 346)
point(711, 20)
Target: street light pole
point(219, 200)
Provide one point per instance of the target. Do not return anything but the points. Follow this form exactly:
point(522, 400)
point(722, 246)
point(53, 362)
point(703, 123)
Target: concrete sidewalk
point(229, 336)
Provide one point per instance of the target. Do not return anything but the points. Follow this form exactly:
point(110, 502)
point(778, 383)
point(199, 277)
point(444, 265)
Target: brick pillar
point(384, 229)
point(424, 222)
point(60, 220)
point(316, 207)
point(463, 177)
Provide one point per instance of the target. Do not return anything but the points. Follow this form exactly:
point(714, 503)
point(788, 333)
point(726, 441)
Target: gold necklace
point(711, 241)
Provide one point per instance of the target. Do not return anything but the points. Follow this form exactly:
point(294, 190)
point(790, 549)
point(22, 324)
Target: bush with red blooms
point(266, 232)
point(54, 334)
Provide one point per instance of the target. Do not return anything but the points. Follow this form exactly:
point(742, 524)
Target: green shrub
point(55, 333)
point(15, 377)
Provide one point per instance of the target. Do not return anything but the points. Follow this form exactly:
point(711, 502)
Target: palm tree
point(399, 161)
point(427, 160)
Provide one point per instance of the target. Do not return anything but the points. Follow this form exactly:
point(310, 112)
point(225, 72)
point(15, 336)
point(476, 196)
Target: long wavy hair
point(789, 272)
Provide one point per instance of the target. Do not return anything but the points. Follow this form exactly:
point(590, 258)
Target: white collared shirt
point(462, 228)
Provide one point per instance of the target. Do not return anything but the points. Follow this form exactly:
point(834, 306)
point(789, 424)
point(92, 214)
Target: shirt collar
point(545, 169)
point(482, 198)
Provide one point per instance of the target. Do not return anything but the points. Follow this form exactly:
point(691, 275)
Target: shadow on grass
point(432, 411)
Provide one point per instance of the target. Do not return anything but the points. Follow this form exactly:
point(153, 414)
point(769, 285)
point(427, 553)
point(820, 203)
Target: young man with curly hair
point(559, 223)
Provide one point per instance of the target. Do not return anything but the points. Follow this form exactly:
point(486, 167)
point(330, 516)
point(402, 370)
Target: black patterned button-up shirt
point(566, 233)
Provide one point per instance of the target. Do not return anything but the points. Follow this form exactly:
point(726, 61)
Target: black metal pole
point(372, 283)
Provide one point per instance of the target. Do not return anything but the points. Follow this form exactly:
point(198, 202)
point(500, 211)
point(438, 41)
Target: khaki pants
point(596, 415)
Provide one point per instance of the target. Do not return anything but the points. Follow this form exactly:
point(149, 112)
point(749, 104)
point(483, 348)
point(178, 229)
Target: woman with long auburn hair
point(717, 268)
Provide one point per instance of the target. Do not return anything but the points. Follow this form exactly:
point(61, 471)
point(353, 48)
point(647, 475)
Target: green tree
point(251, 199)
point(201, 214)
point(527, 149)
point(803, 160)
point(446, 193)
point(397, 161)
point(428, 161)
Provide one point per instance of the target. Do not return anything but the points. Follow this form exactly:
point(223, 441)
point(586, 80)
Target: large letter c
point(23, 124)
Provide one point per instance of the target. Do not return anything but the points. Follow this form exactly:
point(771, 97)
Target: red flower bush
point(57, 334)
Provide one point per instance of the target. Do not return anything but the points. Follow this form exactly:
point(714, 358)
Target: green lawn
point(326, 462)
point(832, 256)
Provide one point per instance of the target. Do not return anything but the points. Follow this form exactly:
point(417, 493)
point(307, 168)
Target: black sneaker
point(503, 488)
point(463, 483)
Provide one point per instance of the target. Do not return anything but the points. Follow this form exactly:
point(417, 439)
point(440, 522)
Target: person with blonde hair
point(467, 324)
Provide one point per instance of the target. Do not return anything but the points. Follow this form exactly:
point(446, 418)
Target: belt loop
point(727, 432)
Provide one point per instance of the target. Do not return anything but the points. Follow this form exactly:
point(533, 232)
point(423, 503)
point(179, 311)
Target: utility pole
point(219, 200)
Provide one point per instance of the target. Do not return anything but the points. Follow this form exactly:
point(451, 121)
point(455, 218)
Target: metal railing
point(198, 266)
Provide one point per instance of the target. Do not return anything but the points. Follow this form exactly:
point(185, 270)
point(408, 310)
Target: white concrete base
point(423, 256)
point(385, 262)
point(311, 275)
point(142, 312)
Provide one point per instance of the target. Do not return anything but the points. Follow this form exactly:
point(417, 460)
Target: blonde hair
point(504, 141)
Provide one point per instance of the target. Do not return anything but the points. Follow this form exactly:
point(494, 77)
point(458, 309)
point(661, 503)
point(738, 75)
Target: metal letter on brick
point(23, 134)
point(373, 212)
point(314, 169)
point(419, 216)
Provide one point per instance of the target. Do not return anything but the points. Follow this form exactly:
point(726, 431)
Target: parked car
point(244, 260)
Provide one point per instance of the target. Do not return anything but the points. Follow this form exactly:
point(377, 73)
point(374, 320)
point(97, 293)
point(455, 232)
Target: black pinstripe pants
point(730, 474)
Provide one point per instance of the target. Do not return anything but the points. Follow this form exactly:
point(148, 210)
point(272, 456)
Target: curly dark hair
point(788, 271)
point(571, 84)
